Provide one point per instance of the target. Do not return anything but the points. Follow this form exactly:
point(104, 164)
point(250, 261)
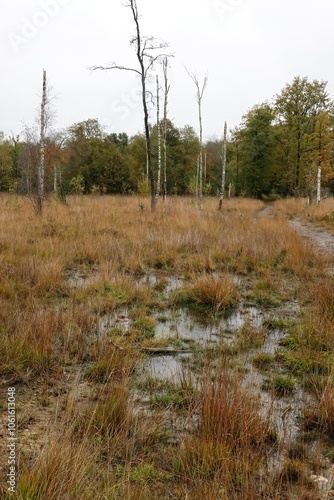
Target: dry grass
point(322, 213)
point(61, 273)
point(215, 293)
point(227, 454)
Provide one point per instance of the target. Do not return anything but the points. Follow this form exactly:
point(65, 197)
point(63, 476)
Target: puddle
point(236, 321)
point(119, 319)
point(78, 279)
point(183, 325)
point(166, 367)
point(168, 283)
point(272, 340)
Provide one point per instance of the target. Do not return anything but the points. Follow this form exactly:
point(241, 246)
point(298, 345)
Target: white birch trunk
point(159, 140)
point(55, 178)
point(200, 149)
point(199, 97)
point(41, 166)
point(197, 178)
point(319, 185)
point(165, 63)
point(222, 189)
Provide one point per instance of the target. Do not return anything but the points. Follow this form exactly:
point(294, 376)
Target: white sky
point(249, 48)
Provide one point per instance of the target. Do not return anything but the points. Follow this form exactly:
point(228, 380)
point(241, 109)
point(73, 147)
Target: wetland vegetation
point(181, 353)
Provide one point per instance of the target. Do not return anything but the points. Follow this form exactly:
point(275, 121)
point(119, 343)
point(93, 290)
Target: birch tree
point(199, 96)
point(222, 188)
point(164, 134)
point(148, 53)
point(319, 184)
point(159, 139)
point(41, 163)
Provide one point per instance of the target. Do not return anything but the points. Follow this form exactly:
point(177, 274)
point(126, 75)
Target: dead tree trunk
point(41, 164)
point(200, 173)
point(165, 66)
point(222, 188)
point(159, 140)
point(199, 96)
point(146, 48)
point(197, 178)
point(319, 184)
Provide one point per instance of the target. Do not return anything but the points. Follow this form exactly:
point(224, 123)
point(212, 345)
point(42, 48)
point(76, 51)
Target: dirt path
point(316, 235)
point(266, 211)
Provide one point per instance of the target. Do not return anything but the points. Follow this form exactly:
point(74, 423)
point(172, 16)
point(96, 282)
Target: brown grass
point(214, 292)
point(321, 214)
point(62, 272)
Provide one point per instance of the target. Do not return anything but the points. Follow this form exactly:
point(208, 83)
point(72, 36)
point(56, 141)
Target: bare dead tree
point(148, 53)
point(223, 157)
point(197, 177)
point(164, 134)
point(159, 139)
point(34, 159)
point(199, 96)
point(41, 163)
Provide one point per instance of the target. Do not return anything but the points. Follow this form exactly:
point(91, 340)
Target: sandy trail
point(316, 235)
point(321, 238)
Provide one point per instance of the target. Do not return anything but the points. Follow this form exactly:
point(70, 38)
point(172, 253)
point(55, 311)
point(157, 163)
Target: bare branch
point(145, 48)
point(199, 90)
point(199, 95)
point(114, 66)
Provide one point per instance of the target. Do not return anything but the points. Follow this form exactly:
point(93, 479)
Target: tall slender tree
point(41, 164)
point(222, 188)
point(199, 96)
point(146, 51)
point(164, 134)
point(159, 139)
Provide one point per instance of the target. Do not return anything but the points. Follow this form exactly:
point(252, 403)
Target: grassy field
point(98, 294)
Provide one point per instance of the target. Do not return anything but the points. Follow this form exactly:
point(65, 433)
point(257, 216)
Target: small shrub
point(144, 328)
point(283, 386)
point(262, 361)
point(214, 293)
point(293, 471)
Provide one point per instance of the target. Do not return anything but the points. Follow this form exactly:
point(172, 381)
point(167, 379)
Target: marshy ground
point(186, 353)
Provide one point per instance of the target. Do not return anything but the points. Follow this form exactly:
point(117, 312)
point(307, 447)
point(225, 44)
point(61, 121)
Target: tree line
point(277, 150)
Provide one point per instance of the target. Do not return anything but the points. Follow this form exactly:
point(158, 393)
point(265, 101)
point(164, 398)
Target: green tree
point(297, 107)
point(136, 154)
point(256, 139)
point(99, 159)
point(7, 174)
point(320, 144)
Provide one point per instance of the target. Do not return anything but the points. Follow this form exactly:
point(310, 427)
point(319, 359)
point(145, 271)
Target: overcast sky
point(249, 48)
